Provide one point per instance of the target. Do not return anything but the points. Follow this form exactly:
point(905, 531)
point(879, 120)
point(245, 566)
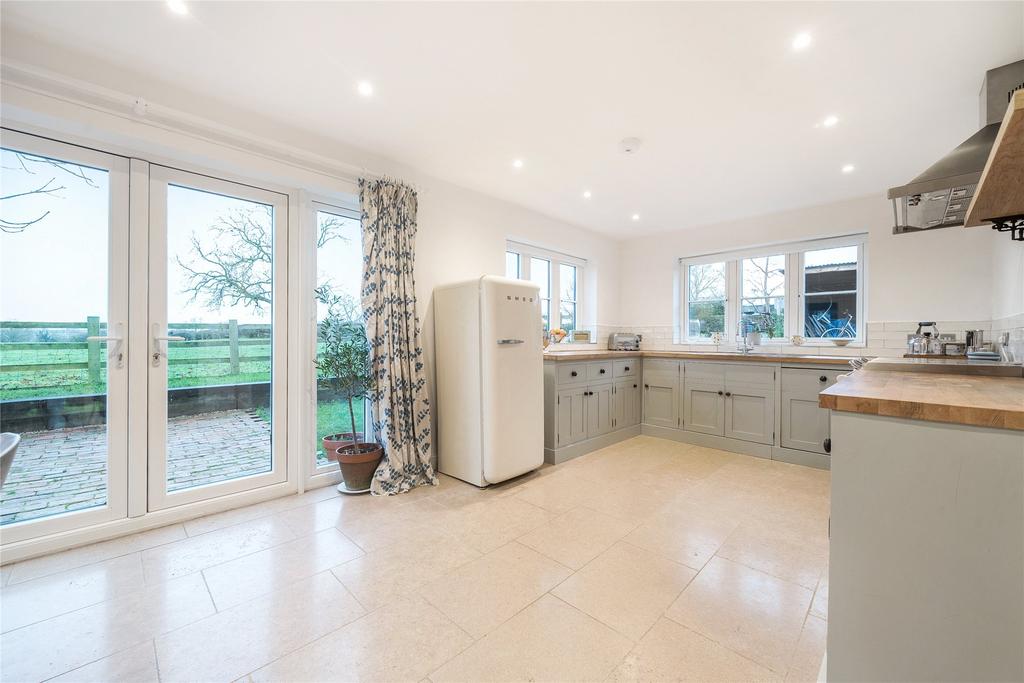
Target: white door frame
point(117, 319)
point(160, 178)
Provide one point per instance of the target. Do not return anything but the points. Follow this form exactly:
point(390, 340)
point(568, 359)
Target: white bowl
point(841, 342)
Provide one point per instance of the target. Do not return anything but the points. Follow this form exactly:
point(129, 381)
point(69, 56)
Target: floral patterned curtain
point(401, 409)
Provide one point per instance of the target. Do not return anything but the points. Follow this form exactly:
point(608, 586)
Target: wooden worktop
point(604, 354)
point(958, 399)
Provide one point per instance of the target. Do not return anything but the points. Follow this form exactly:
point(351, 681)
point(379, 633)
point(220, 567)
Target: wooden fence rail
point(95, 362)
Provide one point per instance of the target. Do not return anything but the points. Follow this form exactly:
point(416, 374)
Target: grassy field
point(69, 382)
point(332, 417)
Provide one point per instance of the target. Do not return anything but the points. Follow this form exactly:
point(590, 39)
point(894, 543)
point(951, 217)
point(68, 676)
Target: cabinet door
point(571, 416)
point(661, 398)
point(750, 414)
point(703, 409)
point(637, 401)
point(598, 410)
point(626, 403)
point(805, 425)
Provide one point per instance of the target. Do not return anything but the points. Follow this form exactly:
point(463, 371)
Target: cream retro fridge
point(490, 379)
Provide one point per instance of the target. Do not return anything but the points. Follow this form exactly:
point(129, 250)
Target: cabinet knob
point(827, 445)
point(627, 368)
point(634, 386)
point(574, 373)
point(823, 378)
point(720, 393)
point(728, 393)
point(647, 386)
point(602, 371)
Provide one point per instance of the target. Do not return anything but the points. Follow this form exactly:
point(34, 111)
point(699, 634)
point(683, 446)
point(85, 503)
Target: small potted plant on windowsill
point(345, 362)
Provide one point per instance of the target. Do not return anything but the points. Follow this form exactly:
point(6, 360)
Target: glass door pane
point(339, 269)
point(215, 342)
point(63, 295)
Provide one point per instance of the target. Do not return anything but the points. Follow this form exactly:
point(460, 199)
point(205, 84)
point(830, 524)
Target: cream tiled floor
point(648, 560)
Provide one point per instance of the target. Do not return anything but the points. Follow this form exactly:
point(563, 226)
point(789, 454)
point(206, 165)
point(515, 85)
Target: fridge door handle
point(503, 342)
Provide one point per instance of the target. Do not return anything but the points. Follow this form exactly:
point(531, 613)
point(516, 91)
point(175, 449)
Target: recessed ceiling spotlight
point(801, 41)
point(177, 6)
point(517, 163)
point(636, 216)
point(849, 168)
point(586, 194)
point(830, 121)
point(364, 88)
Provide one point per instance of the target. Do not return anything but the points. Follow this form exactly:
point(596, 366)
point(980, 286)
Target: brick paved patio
point(65, 469)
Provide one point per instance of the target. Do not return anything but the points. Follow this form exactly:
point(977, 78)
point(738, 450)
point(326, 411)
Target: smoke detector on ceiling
point(630, 145)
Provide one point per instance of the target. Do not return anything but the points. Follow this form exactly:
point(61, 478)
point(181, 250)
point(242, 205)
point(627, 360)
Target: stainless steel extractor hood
point(939, 197)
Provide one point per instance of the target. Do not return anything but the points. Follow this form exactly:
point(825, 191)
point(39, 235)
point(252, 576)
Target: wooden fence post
point(233, 345)
point(92, 326)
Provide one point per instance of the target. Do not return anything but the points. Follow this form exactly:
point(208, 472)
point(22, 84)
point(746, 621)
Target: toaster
point(622, 341)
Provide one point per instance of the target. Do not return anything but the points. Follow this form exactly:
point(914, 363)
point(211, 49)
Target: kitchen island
point(926, 564)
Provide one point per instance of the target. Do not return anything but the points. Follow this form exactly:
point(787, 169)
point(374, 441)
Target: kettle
point(922, 342)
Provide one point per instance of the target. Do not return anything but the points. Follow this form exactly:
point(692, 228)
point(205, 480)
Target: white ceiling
point(726, 110)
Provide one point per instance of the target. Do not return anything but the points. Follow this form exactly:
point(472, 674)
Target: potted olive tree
point(345, 363)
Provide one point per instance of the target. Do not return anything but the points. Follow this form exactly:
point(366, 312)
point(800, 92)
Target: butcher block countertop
point(958, 399)
point(604, 354)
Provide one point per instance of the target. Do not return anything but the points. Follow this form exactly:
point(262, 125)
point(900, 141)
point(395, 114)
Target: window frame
point(794, 294)
point(555, 259)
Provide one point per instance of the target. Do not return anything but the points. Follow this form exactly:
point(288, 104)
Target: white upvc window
point(560, 278)
point(813, 288)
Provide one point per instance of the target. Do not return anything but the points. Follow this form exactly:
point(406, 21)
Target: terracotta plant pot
point(332, 442)
point(358, 462)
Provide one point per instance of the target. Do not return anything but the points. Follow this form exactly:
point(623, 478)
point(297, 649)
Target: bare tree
point(237, 269)
point(26, 163)
point(706, 282)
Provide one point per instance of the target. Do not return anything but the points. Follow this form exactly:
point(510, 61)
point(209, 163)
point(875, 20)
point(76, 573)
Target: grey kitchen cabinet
point(704, 409)
point(805, 425)
point(704, 398)
point(736, 401)
point(582, 402)
point(571, 416)
point(661, 393)
point(598, 409)
point(626, 403)
point(750, 413)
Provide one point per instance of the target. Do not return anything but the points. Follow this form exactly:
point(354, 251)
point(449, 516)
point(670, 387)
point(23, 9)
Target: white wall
point(942, 275)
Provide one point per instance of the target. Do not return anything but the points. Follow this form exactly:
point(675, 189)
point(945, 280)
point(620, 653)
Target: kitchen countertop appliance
point(624, 341)
point(490, 379)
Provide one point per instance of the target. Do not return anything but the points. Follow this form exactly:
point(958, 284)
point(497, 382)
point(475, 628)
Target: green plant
point(344, 360)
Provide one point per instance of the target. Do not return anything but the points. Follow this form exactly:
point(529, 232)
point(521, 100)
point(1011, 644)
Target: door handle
point(506, 342)
point(157, 348)
point(115, 349)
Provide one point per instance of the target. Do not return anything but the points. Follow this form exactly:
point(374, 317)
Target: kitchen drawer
point(661, 365)
point(749, 375)
point(807, 381)
point(597, 372)
point(571, 373)
point(705, 374)
point(629, 367)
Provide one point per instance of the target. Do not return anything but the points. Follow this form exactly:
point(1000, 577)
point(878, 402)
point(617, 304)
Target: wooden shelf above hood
point(1000, 191)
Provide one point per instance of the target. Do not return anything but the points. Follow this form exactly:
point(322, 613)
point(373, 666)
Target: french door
point(217, 330)
point(63, 335)
point(143, 336)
